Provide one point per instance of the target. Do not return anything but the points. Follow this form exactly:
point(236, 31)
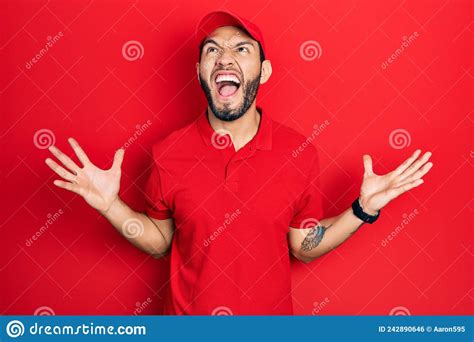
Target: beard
point(225, 113)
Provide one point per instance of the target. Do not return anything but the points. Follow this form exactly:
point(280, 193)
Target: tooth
point(233, 78)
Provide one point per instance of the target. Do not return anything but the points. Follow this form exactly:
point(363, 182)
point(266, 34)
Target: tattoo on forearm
point(313, 238)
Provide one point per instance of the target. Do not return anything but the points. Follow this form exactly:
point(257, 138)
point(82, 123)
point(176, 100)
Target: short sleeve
point(155, 204)
point(308, 210)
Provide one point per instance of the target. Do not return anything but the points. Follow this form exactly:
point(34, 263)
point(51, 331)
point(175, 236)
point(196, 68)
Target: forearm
point(136, 227)
point(329, 234)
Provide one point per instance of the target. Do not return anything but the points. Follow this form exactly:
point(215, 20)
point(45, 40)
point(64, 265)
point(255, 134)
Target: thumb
point(368, 164)
point(118, 159)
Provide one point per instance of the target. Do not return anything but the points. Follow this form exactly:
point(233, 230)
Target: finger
point(418, 174)
point(118, 159)
point(64, 158)
point(68, 186)
point(79, 151)
point(367, 164)
point(395, 192)
point(415, 166)
point(60, 170)
point(399, 170)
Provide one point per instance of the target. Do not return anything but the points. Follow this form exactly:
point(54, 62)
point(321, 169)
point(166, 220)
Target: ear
point(266, 71)
point(197, 71)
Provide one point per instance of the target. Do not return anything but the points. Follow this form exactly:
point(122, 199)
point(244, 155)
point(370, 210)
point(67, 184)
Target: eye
point(211, 49)
point(243, 49)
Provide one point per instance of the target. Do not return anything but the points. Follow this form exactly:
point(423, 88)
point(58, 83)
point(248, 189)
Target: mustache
point(225, 113)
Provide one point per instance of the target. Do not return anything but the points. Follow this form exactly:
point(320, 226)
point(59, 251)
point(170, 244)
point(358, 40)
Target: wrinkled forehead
point(229, 35)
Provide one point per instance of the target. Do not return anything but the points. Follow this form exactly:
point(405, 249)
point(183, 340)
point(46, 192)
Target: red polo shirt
point(232, 212)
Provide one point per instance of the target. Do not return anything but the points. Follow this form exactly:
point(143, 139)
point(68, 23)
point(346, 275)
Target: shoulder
point(303, 148)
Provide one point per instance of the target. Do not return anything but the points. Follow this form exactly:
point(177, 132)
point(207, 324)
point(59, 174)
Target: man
point(231, 195)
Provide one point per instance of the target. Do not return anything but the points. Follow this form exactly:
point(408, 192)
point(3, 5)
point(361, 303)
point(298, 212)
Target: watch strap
point(359, 212)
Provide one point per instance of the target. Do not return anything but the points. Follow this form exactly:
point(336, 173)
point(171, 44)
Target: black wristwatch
point(357, 210)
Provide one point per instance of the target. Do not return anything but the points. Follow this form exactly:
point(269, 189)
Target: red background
point(83, 87)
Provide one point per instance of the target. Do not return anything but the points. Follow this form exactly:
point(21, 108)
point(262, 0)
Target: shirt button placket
point(230, 180)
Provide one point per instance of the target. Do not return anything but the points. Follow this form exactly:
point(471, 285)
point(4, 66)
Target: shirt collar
point(262, 140)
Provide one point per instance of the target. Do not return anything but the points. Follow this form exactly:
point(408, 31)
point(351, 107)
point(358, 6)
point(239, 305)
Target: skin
point(223, 51)
point(376, 192)
point(100, 188)
point(231, 49)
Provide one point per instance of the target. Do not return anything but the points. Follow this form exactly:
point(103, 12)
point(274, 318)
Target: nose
point(225, 59)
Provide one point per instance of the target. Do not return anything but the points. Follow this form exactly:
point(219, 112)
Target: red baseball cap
point(216, 19)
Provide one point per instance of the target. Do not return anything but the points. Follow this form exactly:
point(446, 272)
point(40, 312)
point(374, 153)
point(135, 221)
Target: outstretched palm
point(378, 190)
point(98, 187)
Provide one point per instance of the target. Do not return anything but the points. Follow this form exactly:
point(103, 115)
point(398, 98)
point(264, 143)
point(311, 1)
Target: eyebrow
point(212, 41)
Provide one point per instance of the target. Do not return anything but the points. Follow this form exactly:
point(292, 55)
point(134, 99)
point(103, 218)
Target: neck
point(241, 130)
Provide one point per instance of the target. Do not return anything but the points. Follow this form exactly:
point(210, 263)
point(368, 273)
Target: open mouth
point(227, 84)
